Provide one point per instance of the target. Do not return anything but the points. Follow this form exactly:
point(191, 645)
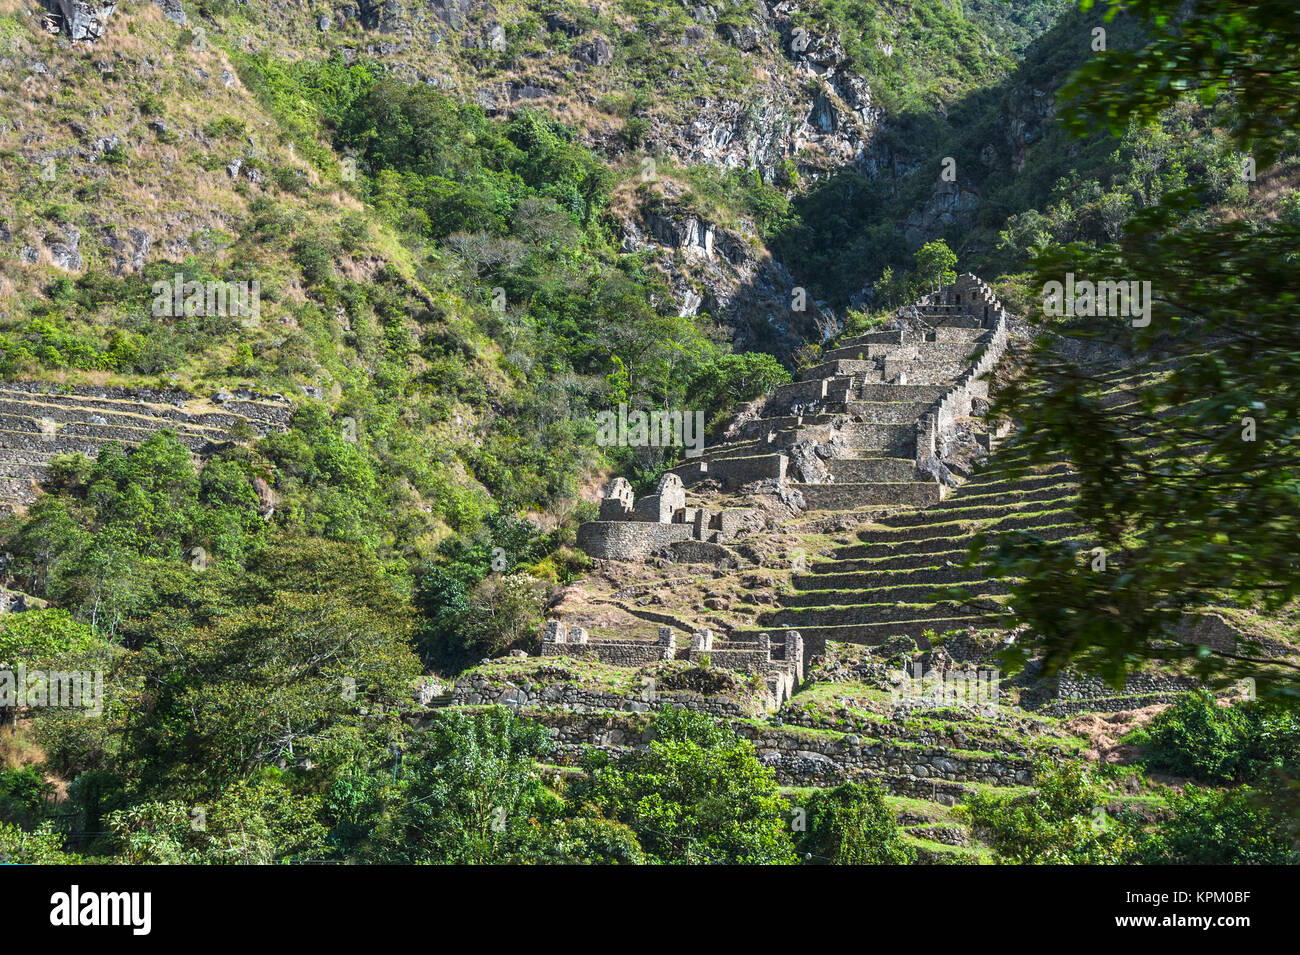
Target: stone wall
point(632, 529)
point(956, 403)
point(478, 690)
point(733, 473)
point(40, 419)
point(1071, 686)
point(628, 540)
point(779, 662)
point(558, 640)
point(801, 759)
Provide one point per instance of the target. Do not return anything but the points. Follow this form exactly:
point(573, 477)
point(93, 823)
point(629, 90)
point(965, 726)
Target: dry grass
point(1103, 732)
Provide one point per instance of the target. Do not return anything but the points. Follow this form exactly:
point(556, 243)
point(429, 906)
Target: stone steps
point(895, 336)
point(1027, 490)
point(29, 472)
point(74, 409)
point(39, 420)
point(874, 470)
point(121, 428)
point(888, 412)
point(836, 564)
point(885, 577)
point(975, 586)
point(816, 636)
point(923, 372)
point(872, 634)
point(959, 334)
point(733, 449)
point(935, 543)
point(843, 497)
point(1010, 521)
point(923, 394)
point(733, 472)
point(887, 440)
point(22, 456)
point(865, 370)
point(1048, 499)
point(159, 404)
point(863, 352)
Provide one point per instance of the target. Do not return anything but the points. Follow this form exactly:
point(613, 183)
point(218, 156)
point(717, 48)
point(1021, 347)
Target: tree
point(1214, 50)
point(258, 822)
point(728, 380)
point(44, 639)
point(1225, 827)
point(44, 846)
point(1206, 436)
point(294, 664)
point(852, 825)
point(589, 840)
point(505, 611)
point(282, 682)
point(936, 265)
point(1210, 742)
point(1063, 821)
point(695, 795)
point(469, 794)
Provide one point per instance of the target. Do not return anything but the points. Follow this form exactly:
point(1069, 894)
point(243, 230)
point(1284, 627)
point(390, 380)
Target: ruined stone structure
point(780, 661)
point(631, 529)
point(862, 429)
point(39, 420)
point(867, 434)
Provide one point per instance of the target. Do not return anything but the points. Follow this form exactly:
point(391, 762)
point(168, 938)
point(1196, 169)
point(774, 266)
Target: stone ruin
point(39, 420)
point(632, 529)
point(780, 662)
point(889, 418)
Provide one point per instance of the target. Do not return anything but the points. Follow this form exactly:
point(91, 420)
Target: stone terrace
point(857, 432)
point(39, 421)
point(858, 429)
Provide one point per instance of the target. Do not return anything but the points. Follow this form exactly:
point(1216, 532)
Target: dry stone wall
point(780, 663)
point(39, 420)
point(803, 759)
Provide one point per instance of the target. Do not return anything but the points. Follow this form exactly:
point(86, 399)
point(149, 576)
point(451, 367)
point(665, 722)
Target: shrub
point(852, 825)
point(1232, 827)
point(1198, 737)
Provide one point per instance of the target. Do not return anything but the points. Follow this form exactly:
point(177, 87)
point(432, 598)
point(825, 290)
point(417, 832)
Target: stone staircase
point(39, 420)
point(892, 580)
point(886, 583)
point(857, 430)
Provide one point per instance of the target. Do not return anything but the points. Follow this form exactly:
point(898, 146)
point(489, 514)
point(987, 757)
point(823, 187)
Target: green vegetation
point(1063, 821)
point(695, 795)
point(1215, 425)
point(1211, 743)
point(449, 301)
point(852, 825)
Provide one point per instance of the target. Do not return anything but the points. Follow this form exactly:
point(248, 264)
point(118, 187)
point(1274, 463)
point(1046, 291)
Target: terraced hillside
point(888, 562)
point(872, 441)
point(39, 421)
point(848, 429)
point(859, 431)
point(883, 584)
point(890, 581)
